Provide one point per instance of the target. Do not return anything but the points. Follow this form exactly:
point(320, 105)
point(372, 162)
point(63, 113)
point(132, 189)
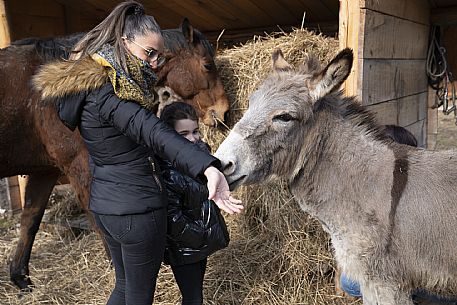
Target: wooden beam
point(413, 10)
point(14, 194)
point(86, 9)
point(444, 16)
point(5, 36)
point(351, 35)
point(432, 120)
point(22, 181)
point(233, 37)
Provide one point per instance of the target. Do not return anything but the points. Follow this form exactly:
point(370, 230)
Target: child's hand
point(219, 191)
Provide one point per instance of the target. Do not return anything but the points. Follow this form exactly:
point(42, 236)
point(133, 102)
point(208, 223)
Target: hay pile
point(277, 254)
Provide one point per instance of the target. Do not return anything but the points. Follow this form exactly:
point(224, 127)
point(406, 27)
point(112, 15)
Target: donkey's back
point(426, 219)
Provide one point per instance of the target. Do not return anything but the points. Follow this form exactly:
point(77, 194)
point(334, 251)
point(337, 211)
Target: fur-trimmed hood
point(61, 78)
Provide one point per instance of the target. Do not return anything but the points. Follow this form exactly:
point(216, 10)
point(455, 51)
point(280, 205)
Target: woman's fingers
point(229, 207)
point(224, 207)
point(218, 191)
point(234, 200)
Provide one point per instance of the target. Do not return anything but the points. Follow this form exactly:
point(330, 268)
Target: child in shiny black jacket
point(196, 228)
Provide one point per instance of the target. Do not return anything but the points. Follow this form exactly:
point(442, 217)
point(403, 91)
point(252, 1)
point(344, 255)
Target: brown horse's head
point(192, 74)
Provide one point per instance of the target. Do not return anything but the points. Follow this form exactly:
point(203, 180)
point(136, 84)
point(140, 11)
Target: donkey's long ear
point(333, 75)
point(278, 61)
point(187, 30)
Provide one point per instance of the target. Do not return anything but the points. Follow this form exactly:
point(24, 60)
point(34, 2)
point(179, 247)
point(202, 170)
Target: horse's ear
point(278, 61)
point(187, 30)
point(331, 78)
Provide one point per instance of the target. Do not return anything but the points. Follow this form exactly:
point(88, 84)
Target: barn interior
point(390, 38)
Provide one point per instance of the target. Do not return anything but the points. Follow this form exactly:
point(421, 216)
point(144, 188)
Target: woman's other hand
point(219, 191)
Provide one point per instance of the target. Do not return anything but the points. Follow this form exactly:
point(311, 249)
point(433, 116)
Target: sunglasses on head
point(152, 53)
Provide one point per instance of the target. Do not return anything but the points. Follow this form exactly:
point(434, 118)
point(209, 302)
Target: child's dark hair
point(178, 111)
point(400, 135)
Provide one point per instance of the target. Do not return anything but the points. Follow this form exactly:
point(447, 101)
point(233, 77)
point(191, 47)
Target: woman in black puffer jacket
point(196, 227)
point(107, 91)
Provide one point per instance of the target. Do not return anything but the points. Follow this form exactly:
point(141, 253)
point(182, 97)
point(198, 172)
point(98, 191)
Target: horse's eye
point(208, 67)
point(285, 117)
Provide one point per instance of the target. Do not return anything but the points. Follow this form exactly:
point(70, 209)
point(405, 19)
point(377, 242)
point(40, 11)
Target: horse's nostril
point(226, 116)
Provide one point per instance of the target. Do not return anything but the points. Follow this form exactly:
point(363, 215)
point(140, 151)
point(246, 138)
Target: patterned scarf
point(136, 84)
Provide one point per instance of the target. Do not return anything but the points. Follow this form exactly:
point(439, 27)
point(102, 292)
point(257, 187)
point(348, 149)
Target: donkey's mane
point(351, 110)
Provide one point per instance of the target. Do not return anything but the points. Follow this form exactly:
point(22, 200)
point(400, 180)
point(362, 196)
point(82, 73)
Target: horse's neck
point(352, 174)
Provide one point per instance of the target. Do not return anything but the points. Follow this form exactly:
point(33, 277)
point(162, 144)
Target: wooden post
point(5, 37)
point(432, 122)
point(14, 194)
point(351, 36)
point(22, 180)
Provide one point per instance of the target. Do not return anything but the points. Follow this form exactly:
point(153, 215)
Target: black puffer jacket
point(196, 227)
point(122, 137)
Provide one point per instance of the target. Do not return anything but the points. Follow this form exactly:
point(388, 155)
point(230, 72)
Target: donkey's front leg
point(37, 191)
point(381, 293)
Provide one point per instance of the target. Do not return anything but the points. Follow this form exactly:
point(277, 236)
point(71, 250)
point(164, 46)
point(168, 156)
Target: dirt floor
point(70, 267)
point(447, 132)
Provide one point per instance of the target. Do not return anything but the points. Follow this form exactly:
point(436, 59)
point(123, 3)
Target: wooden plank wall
point(450, 35)
point(44, 18)
point(35, 18)
point(390, 40)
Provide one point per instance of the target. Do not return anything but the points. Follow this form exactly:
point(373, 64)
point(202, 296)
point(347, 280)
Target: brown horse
point(34, 142)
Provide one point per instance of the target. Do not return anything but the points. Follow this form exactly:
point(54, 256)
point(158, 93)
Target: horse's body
point(389, 208)
point(34, 142)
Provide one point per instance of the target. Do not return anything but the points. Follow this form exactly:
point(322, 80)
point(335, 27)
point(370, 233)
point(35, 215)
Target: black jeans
point(136, 243)
point(190, 281)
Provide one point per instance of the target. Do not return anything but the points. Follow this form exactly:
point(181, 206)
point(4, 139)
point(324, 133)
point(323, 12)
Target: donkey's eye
point(208, 67)
point(285, 117)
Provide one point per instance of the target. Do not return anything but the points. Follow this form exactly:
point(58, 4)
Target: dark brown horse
point(34, 142)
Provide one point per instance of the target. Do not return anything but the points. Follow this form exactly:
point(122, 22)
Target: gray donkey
point(390, 209)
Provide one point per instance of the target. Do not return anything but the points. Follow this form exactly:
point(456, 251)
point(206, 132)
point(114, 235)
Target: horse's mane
point(60, 47)
point(351, 110)
point(53, 47)
point(175, 40)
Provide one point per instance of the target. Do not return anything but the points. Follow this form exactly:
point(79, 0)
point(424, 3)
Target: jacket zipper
point(154, 173)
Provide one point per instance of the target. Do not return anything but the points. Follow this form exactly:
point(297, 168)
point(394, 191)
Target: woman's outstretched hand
point(219, 191)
